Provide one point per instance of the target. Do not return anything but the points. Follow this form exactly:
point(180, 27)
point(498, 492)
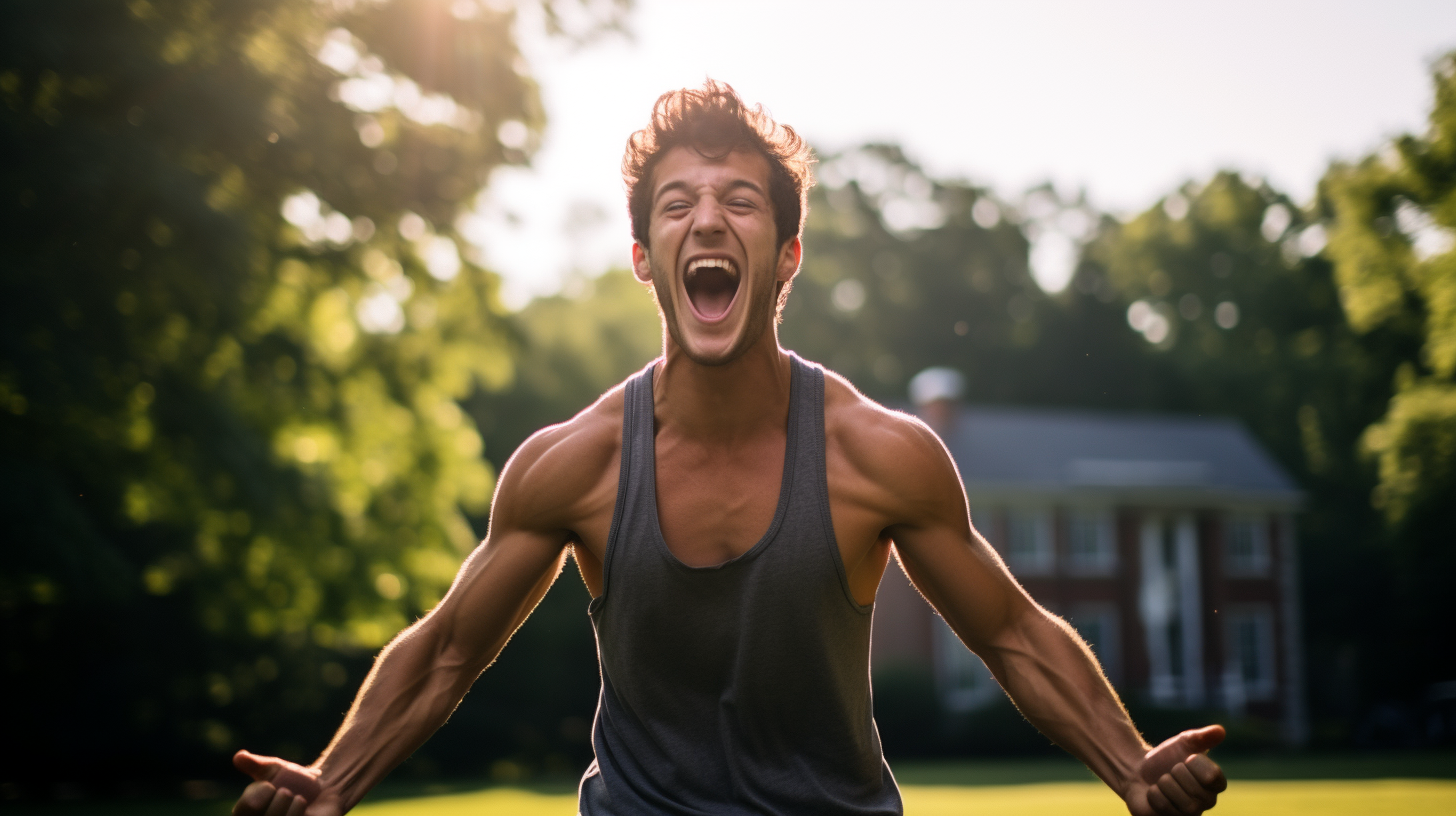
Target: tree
point(1392, 220)
point(903, 271)
point(573, 347)
point(236, 324)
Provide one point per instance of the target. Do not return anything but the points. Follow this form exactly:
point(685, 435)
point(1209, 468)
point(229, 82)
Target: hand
point(1177, 778)
point(281, 788)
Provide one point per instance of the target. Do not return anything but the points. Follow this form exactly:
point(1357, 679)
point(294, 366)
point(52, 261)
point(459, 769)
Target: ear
point(790, 254)
point(641, 268)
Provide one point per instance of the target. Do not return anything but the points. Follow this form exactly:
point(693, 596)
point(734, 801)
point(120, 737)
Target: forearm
point(1055, 681)
point(413, 687)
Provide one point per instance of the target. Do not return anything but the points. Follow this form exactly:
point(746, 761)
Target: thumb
point(1199, 740)
point(259, 768)
point(280, 773)
point(1178, 748)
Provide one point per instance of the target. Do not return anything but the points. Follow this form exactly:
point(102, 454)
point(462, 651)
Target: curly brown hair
point(715, 121)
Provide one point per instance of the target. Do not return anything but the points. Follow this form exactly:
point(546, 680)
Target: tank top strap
point(811, 476)
point(636, 492)
point(806, 421)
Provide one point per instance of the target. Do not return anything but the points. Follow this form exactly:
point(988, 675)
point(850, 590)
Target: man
point(732, 510)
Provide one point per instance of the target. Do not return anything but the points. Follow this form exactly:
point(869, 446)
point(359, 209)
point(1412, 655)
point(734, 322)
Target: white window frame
point(1247, 550)
point(1249, 632)
point(1030, 549)
point(1101, 558)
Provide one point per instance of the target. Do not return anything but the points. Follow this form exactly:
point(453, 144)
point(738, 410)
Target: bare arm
point(1043, 665)
point(1036, 657)
point(421, 676)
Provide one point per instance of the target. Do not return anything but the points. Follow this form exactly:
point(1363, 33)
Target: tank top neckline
point(647, 417)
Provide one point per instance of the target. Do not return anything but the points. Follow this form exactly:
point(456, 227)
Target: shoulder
point(552, 473)
point(894, 455)
point(870, 431)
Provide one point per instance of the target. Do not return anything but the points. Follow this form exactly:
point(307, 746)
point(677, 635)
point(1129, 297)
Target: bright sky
point(1125, 98)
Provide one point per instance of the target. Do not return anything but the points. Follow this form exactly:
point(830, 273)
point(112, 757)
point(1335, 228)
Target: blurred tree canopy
point(236, 324)
point(574, 346)
point(902, 271)
point(1392, 224)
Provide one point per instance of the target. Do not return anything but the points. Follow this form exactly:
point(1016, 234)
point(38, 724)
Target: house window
point(1247, 546)
point(1091, 546)
point(963, 680)
point(1171, 609)
point(1097, 623)
point(1029, 541)
point(1250, 631)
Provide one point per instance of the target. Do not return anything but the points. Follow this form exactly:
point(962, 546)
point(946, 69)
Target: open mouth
point(711, 284)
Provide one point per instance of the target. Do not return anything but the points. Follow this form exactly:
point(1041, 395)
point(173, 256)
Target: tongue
point(711, 291)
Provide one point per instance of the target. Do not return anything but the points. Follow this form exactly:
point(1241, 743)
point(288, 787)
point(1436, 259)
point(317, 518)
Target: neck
point(725, 402)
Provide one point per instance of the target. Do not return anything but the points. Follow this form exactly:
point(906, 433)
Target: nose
point(708, 221)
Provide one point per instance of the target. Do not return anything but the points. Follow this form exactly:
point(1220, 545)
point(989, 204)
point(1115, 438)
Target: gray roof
point(1009, 453)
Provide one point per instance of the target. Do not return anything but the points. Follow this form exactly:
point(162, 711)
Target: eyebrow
point(685, 187)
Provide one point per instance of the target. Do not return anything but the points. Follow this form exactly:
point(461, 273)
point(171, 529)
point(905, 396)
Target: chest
point(714, 503)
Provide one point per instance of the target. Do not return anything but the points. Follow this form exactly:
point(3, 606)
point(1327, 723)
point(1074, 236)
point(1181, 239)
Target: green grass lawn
point(1401, 784)
point(1364, 797)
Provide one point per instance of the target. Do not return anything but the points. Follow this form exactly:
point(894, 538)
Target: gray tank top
point(741, 688)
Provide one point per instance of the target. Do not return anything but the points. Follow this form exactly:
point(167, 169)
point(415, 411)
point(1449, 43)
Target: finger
point(1202, 739)
point(300, 804)
point(1184, 803)
point(254, 800)
point(1160, 803)
point(282, 801)
point(1190, 784)
point(1208, 773)
point(254, 766)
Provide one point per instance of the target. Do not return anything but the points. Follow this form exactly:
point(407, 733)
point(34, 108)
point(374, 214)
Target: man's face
point(713, 256)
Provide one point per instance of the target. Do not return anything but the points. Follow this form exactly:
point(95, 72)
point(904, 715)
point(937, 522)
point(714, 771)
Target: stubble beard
point(760, 312)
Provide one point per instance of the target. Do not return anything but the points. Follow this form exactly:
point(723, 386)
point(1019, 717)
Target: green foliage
point(1392, 222)
point(1392, 229)
point(862, 281)
point(1226, 284)
point(234, 329)
point(573, 347)
point(902, 271)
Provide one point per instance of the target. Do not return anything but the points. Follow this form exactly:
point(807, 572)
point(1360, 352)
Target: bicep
point(963, 578)
point(949, 561)
point(504, 578)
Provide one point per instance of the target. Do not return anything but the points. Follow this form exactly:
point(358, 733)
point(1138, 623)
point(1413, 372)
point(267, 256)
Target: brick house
point(1168, 542)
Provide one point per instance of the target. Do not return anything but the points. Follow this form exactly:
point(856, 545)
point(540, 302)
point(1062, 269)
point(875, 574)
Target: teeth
point(713, 263)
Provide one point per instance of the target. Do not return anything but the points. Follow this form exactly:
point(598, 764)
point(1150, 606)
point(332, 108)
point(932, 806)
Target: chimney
point(936, 393)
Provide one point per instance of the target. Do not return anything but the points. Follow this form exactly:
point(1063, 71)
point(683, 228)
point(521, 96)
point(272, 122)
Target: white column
point(1190, 610)
point(1155, 602)
point(1296, 717)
